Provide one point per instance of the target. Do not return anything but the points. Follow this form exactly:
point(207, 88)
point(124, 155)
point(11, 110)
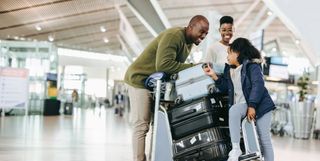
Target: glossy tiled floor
point(98, 135)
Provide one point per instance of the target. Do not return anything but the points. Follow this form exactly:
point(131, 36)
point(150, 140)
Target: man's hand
point(251, 113)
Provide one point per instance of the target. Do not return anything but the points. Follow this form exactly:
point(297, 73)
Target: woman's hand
point(251, 113)
point(210, 72)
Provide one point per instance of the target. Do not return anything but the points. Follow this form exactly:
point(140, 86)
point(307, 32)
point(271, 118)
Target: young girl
point(243, 80)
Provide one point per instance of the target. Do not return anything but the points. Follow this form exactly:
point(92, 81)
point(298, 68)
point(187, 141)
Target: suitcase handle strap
point(187, 113)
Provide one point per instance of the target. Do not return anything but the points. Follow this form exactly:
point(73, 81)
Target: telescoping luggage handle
point(251, 141)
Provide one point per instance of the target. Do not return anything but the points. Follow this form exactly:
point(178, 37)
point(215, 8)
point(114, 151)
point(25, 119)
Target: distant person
point(75, 96)
point(119, 101)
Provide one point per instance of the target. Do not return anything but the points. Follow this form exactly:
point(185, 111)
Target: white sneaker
point(234, 154)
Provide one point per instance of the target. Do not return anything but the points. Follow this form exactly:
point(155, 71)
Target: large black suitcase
point(202, 138)
point(216, 151)
point(190, 109)
point(198, 115)
point(216, 104)
point(192, 125)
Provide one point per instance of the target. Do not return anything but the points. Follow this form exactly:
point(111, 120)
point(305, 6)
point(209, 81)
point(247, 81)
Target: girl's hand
point(251, 113)
point(210, 72)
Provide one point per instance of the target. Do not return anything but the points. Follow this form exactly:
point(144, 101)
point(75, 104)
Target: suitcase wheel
point(174, 77)
point(178, 100)
point(212, 90)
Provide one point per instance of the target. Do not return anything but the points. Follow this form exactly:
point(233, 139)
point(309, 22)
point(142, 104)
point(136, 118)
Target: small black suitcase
point(68, 108)
point(216, 151)
point(201, 138)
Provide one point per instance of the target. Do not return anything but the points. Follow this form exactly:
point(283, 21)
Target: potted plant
point(302, 109)
point(303, 84)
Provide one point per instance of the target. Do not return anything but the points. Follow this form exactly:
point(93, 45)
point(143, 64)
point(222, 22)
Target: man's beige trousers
point(140, 103)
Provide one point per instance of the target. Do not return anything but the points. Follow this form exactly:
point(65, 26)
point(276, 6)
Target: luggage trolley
point(162, 142)
point(161, 148)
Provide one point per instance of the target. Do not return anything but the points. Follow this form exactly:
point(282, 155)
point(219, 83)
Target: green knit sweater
point(166, 53)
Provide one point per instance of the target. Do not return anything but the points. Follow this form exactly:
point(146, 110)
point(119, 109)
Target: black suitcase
point(196, 116)
point(201, 138)
point(51, 107)
point(192, 125)
point(68, 108)
point(216, 151)
point(190, 109)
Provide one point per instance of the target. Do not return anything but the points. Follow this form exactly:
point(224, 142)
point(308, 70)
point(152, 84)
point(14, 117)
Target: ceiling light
point(269, 13)
point(297, 42)
point(51, 38)
point(16, 37)
point(274, 49)
point(38, 27)
point(103, 29)
point(106, 40)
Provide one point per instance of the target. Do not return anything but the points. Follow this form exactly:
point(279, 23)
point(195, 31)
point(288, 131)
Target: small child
point(243, 80)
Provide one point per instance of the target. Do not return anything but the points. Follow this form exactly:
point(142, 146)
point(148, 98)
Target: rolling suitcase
point(203, 113)
point(188, 110)
point(201, 138)
point(218, 105)
point(68, 108)
point(192, 125)
point(251, 142)
point(193, 83)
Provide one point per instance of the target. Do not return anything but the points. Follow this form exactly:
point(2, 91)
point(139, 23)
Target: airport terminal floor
point(99, 135)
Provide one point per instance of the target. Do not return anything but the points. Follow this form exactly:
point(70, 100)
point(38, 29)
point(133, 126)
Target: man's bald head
point(196, 19)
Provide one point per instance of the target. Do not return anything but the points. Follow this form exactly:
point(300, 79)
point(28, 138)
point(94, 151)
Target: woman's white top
point(217, 55)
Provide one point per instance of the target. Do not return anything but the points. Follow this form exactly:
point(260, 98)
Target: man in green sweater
point(166, 53)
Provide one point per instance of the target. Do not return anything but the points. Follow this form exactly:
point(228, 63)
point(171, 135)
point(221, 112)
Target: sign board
point(279, 71)
point(14, 87)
